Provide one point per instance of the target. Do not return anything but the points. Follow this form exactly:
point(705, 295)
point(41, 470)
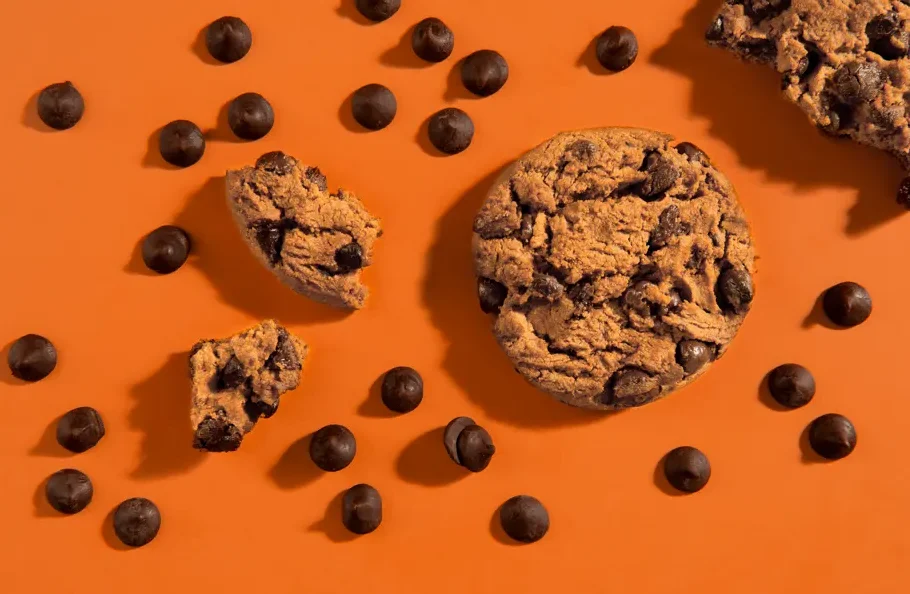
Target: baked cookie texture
point(844, 62)
point(315, 241)
point(618, 266)
point(239, 379)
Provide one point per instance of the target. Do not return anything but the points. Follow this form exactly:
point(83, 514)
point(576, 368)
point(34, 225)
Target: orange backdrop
point(76, 204)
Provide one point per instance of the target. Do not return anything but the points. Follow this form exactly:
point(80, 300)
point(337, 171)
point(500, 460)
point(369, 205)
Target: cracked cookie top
point(239, 379)
point(618, 267)
point(315, 241)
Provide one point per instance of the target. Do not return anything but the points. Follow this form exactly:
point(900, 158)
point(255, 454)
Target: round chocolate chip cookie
point(618, 266)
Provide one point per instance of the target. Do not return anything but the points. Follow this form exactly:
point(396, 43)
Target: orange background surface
point(76, 204)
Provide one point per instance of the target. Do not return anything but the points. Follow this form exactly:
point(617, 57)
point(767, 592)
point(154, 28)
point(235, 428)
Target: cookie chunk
point(315, 241)
point(240, 379)
point(844, 62)
point(618, 266)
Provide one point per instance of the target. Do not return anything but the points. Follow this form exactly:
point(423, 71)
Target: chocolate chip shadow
point(373, 407)
point(330, 524)
point(41, 507)
point(402, 55)
point(348, 9)
point(295, 469)
point(474, 359)
point(47, 445)
point(743, 104)
point(108, 534)
point(424, 462)
point(153, 158)
point(6, 375)
point(30, 117)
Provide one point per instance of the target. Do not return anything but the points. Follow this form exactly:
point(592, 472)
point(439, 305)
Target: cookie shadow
point(30, 117)
point(348, 9)
point(331, 525)
point(473, 358)
point(373, 406)
point(346, 116)
point(6, 374)
point(153, 158)
point(108, 534)
point(294, 468)
point(40, 506)
point(219, 252)
point(47, 446)
point(817, 317)
point(661, 482)
point(425, 462)
point(455, 88)
point(782, 142)
point(202, 51)
point(807, 455)
point(161, 409)
point(402, 55)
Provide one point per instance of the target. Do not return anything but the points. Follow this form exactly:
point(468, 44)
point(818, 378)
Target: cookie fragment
point(239, 379)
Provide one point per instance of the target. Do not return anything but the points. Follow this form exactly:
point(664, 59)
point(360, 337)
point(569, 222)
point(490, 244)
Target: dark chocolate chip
point(451, 433)
point(583, 292)
point(693, 153)
point(137, 521)
point(840, 116)
point(630, 387)
point(165, 249)
point(858, 81)
point(475, 448)
point(716, 31)
point(547, 287)
point(228, 39)
point(832, 436)
point(270, 237)
point(232, 376)
point(349, 258)
point(181, 143)
point(451, 130)
point(617, 48)
point(760, 50)
point(378, 10)
point(316, 177)
point(847, 304)
point(69, 491)
point(374, 106)
point(250, 116)
point(662, 174)
point(402, 389)
point(361, 509)
point(432, 40)
point(635, 298)
point(332, 448)
point(886, 37)
point(524, 518)
point(668, 226)
point(285, 357)
point(60, 105)
point(903, 193)
point(255, 408)
point(215, 434)
point(277, 162)
point(687, 469)
point(791, 385)
point(80, 429)
point(32, 358)
point(692, 355)
point(526, 228)
point(582, 149)
point(808, 64)
point(734, 290)
point(760, 10)
point(484, 72)
point(491, 295)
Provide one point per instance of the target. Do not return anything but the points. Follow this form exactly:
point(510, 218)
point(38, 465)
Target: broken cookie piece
point(240, 379)
point(315, 241)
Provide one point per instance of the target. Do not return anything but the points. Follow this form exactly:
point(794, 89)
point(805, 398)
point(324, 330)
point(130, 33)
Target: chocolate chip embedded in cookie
point(315, 241)
point(240, 379)
point(617, 265)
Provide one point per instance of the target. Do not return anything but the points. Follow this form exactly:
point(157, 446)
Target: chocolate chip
point(69, 491)
point(734, 290)
point(451, 130)
point(80, 429)
point(524, 518)
point(808, 64)
point(374, 106)
point(361, 509)
point(760, 10)
point(378, 10)
point(582, 149)
point(635, 298)
point(886, 37)
point(349, 258)
point(137, 521)
point(692, 355)
point(432, 40)
point(882, 25)
point(791, 385)
point(402, 389)
point(617, 48)
point(332, 448)
point(832, 436)
point(840, 116)
point(215, 434)
point(668, 226)
point(285, 357)
point(32, 358)
point(491, 295)
point(693, 153)
point(228, 39)
point(759, 50)
point(687, 469)
point(847, 304)
point(858, 81)
point(716, 31)
point(181, 143)
point(547, 287)
point(270, 237)
point(450, 436)
point(629, 387)
point(165, 249)
point(475, 448)
point(316, 177)
point(232, 376)
point(250, 116)
point(526, 228)
point(276, 162)
point(484, 72)
point(60, 106)
point(254, 408)
point(903, 193)
point(662, 174)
